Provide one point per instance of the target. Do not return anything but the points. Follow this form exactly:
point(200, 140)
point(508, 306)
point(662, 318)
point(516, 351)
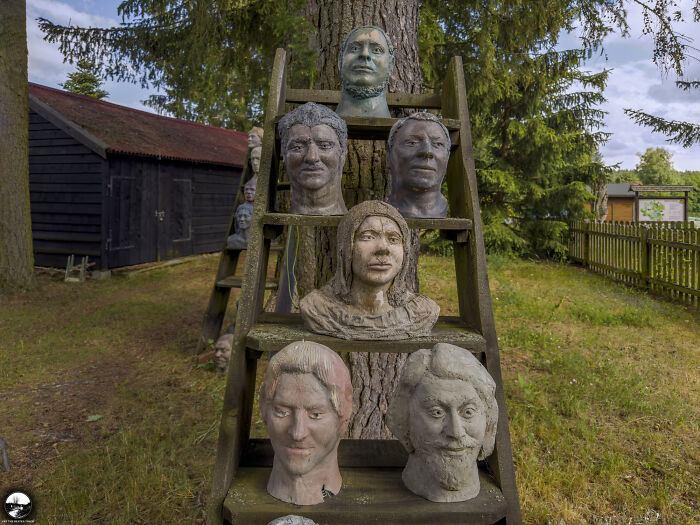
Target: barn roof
point(620, 190)
point(111, 128)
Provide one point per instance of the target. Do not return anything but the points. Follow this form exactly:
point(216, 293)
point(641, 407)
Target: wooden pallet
point(372, 488)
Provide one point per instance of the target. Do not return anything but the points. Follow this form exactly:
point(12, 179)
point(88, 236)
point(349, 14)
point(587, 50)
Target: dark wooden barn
point(125, 186)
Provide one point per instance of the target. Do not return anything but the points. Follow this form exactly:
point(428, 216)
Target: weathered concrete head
point(249, 190)
point(222, 352)
point(292, 520)
point(418, 150)
point(306, 402)
point(255, 136)
point(255, 155)
point(314, 147)
point(342, 279)
point(242, 218)
point(445, 414)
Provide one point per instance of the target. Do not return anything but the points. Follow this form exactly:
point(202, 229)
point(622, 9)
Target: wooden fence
point(661, 257)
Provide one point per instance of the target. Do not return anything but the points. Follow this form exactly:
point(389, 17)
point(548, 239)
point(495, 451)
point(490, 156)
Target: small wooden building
point(125, 186)
point(639, 203)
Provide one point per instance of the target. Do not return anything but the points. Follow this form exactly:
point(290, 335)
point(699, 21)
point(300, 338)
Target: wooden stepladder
point(372, 489)
point(226, 278)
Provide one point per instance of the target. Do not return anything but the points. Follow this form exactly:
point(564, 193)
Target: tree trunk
point(16, 253)
point(373, 375)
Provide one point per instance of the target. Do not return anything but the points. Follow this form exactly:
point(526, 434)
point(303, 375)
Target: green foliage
point(692, 177)
point(684, 133)
point(535, 121)
point(210, 60)
point(655, 167)
point(85, 81)
point(622, 176)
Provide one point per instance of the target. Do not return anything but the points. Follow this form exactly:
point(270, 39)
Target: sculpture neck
point(305, 489)
point(350, 106)
point(327, 200)
point(419, 203)
point(369, 299)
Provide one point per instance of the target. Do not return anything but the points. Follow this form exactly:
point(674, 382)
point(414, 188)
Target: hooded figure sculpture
point(370, 296)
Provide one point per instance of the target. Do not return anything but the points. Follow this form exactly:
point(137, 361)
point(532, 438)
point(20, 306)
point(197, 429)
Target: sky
point(635, 81)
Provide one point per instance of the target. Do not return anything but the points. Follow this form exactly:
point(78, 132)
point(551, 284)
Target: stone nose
point(299, 429)
point(312, 156)
point(426, 149)
point(454, 428)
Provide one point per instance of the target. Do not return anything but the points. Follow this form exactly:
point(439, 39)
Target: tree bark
point(373, 375)
point(16, 252)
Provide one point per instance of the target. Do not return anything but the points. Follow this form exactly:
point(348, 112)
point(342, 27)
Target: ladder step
point(367, 128)
point(328, 96)
point(286, 219)
point(274, 331)
point(368, 496)
point(237, 282)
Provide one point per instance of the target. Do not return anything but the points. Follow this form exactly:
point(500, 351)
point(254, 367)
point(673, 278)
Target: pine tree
point(684, 133)
point(85, 81)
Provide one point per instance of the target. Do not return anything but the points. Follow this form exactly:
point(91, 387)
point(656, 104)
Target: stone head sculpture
point(249, 190)
point(222, 352)
point(292, 520)
point(306, 402)
point(366, 62)
point(242, 220)
point(444, 412)
point(417, 153)
point(370, 294)
point(255, 136)
point(255, 155)
point(314, 146)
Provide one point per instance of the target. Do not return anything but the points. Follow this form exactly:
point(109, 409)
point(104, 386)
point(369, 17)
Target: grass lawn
point(109, 421)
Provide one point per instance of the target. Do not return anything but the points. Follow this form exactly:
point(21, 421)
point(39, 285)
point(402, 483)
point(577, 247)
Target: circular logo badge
point(18, 505)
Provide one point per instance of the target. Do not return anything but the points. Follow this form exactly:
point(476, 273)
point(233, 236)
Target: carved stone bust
point(417, 153)
point(370, 296)
point(255, 155)
point(241, 223)
point(444, 412)
point(314, 146)
point(222, 352)
point(292, 520)
point(255, 136)
point(249, 189)
point(305, 402)
point(366, 62)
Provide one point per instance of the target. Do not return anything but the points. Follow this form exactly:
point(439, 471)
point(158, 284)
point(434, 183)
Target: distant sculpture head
point(370, 295)
point(249, 190)
point(366, 62)
point(255, 136)
point(242, 220)
point(292, 520)
point(417, 153)
point(314, 146)
point(222, 352)
point(255, 155)
point(444, 412)
point(306, 402)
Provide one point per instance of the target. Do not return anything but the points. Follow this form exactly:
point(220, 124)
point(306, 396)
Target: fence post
point(644, 249)
point(586, 226)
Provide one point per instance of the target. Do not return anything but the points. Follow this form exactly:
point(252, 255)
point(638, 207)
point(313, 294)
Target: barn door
point(174, 213)
point(130, 227)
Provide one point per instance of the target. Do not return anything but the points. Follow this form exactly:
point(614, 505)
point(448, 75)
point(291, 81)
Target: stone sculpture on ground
point(417, 153)
point(444, 412)
point(255, 136)
point(314, 145)
point(241, 223)
point(222, 352)
point(370, 295)
point(305, 402)
point(366, 62)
